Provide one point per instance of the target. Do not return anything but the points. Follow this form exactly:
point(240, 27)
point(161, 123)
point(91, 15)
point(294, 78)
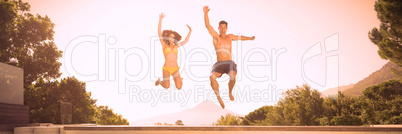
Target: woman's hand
point(189, 28)
point(161, 16)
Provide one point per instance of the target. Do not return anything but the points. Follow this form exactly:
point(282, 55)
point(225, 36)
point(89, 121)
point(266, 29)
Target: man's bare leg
point(232, 81)
point(215, 87)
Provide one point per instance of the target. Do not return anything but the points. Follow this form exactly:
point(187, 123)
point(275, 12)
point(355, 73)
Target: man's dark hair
point(223, 22)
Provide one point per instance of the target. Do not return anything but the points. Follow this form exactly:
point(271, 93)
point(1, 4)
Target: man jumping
point(223, 49)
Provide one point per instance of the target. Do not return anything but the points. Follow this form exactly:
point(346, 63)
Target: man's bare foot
point(231, 97)
point(221, 102)
point(158, 82)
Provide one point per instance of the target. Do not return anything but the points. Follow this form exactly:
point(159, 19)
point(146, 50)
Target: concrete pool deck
point(90, 129)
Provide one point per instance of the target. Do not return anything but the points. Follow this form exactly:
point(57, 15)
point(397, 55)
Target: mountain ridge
point(381, 75)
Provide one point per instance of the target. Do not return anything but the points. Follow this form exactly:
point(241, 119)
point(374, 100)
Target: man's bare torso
point(223, 47)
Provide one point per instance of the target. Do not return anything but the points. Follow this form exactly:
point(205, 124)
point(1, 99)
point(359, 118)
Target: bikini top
point(168, 50)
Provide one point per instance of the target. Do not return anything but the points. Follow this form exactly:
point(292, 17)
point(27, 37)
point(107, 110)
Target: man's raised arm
point(206, 19)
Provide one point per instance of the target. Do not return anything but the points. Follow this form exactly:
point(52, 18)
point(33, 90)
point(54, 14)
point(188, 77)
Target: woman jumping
point(170, 42)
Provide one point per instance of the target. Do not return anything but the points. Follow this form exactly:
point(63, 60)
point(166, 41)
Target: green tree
point(276, 115)
point(7, 25)
point(106, 116)
point(330, 110)
point(340, 110)
point(73, 91)
point(257, 117)
point(167, 124)
point(381, 103)
point(179, 123)
point(26, 41)
point(346, 120)
point(300, 106)
point(42, 106)
point(229, 120)
point(45, 97)
point(388, 36)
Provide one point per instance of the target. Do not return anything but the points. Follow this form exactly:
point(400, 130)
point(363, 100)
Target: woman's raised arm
point(187, 38)
point(161, 16)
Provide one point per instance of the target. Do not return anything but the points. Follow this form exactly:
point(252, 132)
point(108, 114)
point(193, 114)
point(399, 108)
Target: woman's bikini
point(167, 50)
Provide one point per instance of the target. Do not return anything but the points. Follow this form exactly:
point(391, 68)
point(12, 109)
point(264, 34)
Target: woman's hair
point(165, 36)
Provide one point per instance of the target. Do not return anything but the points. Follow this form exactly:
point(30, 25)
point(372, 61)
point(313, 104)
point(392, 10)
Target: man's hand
point(161, 16)
point(206, 9)
point(189, 28)
point(211, 30)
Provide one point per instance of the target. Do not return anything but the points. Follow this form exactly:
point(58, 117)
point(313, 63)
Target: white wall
point(11, 84)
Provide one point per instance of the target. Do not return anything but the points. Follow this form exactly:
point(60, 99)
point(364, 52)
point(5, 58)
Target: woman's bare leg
point(178, 81)
point(165, 83)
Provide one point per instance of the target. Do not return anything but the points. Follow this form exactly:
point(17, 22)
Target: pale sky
point(294, 26)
